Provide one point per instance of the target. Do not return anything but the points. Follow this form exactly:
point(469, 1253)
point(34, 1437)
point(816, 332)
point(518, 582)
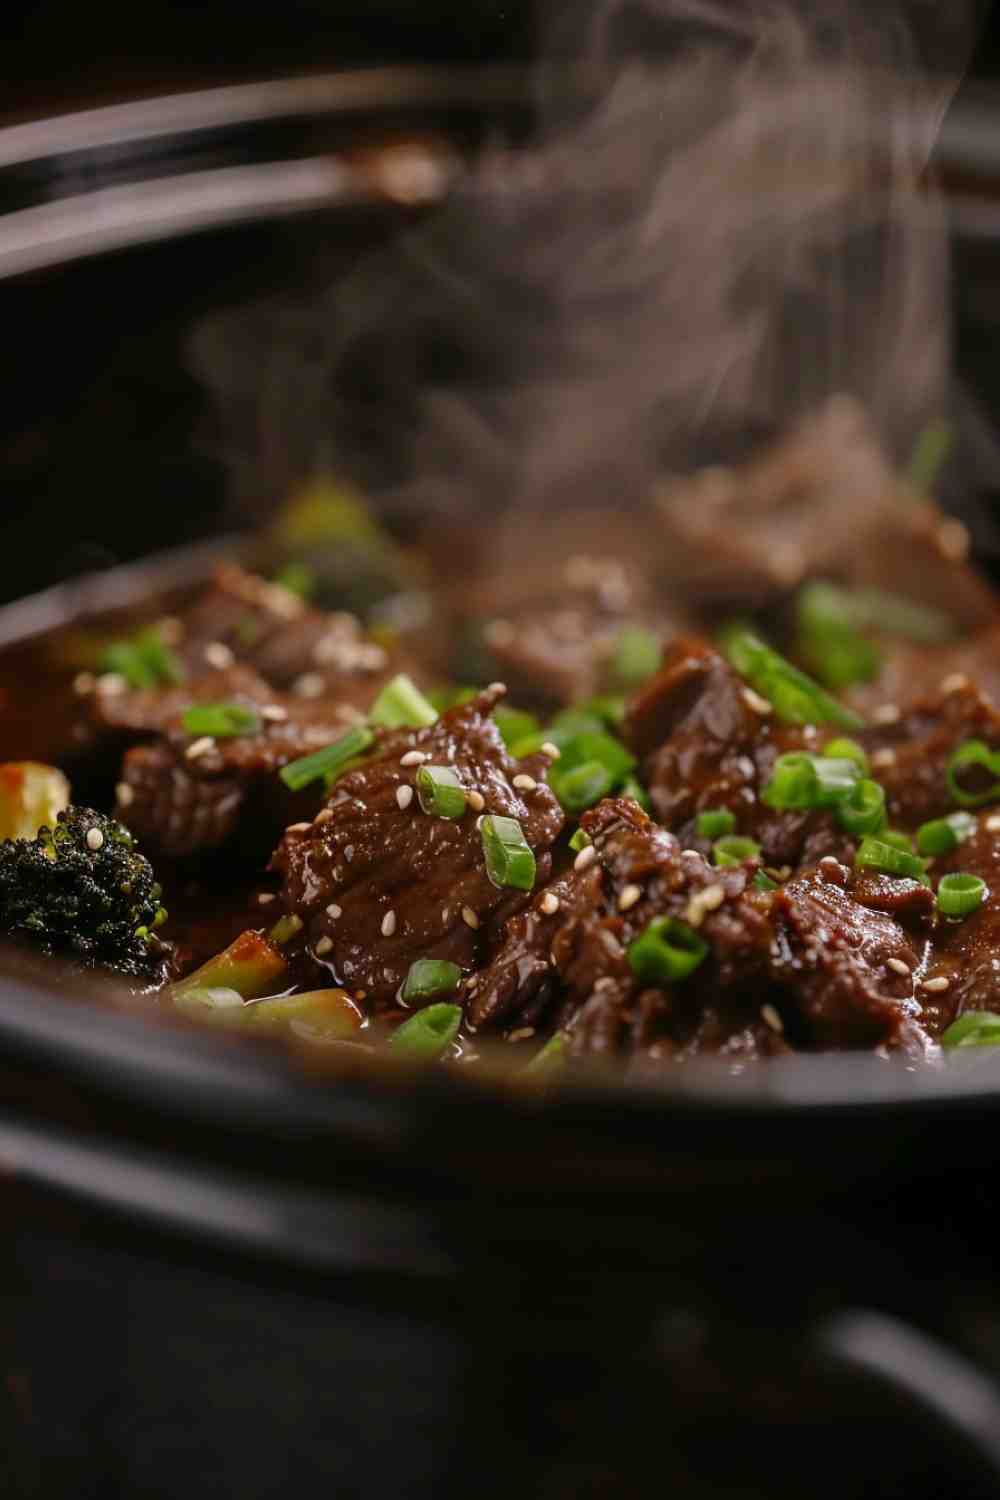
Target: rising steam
point(733, 226)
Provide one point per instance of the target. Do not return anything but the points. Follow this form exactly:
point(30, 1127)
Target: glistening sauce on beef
point(659, 837)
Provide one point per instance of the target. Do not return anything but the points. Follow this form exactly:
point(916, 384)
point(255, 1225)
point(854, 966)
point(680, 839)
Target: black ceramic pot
point(224, 1277)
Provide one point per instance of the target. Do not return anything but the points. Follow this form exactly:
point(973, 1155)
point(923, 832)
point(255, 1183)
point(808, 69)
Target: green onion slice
point(668, 951)
point(878, 854)
point(430, 976)
point(632, 787)
point(514, 725)
point(733, 850)
point(221, 720)
point(959, 895)
point(591, 765)
point(976, 1028)
point(401, 705)
point(144, 660)
point(582, 786)
point(440, 792)
point(328, 761)
point(714, 822)
point(796, 698)
point(297, 578)
point(509, 859)
point(845, 749)
point(829, 637)
point(551, 1057)
point(942, 835)
point(429, 1033)
point(762, 882)
point(863, 808)
point(974, 755)
point(802, 781)
point(580, 840)
point(637, 656)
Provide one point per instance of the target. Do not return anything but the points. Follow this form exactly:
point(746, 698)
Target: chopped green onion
point(582, 786)
point(942, 835)
point(440, 792)
point(802, 781)
point(514, 724)
point(632, 787)
point(609, 709)
point(328, 761)
point(250, 966)
point(637, 656)
point(550, 1058)
point(762, 882)
point(441, 698)
point(896, 839)
point(958, 895)
point(796, 698)
point(144, 660)
point(509, 859)
point(733, 850)
point(668, 951)
point(844, 749)
point(829, 639)
point(429, 1033)
point(297, 578)
point(570, 722)
point(401, 705)
point(221, 720)
point(876, 854)
point(930, 452)
point(973, 754)
point(580, 840)
point(430, 976)
point(863, 809)
point(714, 822)
point(976, 1028)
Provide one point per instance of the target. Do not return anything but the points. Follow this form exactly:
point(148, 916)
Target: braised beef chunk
point(188, 793)
point(963, 965)
point(707, 742)
point(379, 882)
point(911, 670)
point(138, 713)
point(910, 751)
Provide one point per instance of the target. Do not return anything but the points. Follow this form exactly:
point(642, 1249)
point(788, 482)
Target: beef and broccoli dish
point(669, 788)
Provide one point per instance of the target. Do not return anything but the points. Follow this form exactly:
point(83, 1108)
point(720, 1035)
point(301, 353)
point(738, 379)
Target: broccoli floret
point(83, 889)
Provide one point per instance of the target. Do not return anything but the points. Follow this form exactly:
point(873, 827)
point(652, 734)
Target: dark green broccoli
point(83, 889)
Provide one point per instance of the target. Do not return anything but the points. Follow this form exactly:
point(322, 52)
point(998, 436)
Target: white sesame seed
point(95, 839)
point(955, 682)
point(551, 750)
point(549, 904)
point(309, 685)
point(274, 713)
point(884, 758)
point(265, 898)
point(338, 872)
point(413, 758)
point(690, 854)
point(897, 966)
point(936, 985)
point(445, 914)
point(389, 924)
point(349, 853)
point(886, 713)
point(218, 655)
point(203, 746)
point(521, 1034)
point(324, 946)
point(703, 902)
point(476, 801)
point(469, 917)
point(993, 823)
point(112, 683)
point(404, 796)
point(756, 702)
point(125, 794)
point(333, 911)
point(497, 687)
point(298, 828)
point(479, 821)
point(629, 896)
point(524, 783)
point(84, 682)
point(585, 858)
point(771, 1018)
point(324, 816)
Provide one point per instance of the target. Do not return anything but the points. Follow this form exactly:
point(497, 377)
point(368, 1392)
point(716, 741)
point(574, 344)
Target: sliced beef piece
point(911, 670)
point(910, 754)
point(138, 714)
point(704, 743)
point(963, 964)
point(824, 501)
point(378, 883)
point(568, 964)
point(187, 794)
point(844, 973)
